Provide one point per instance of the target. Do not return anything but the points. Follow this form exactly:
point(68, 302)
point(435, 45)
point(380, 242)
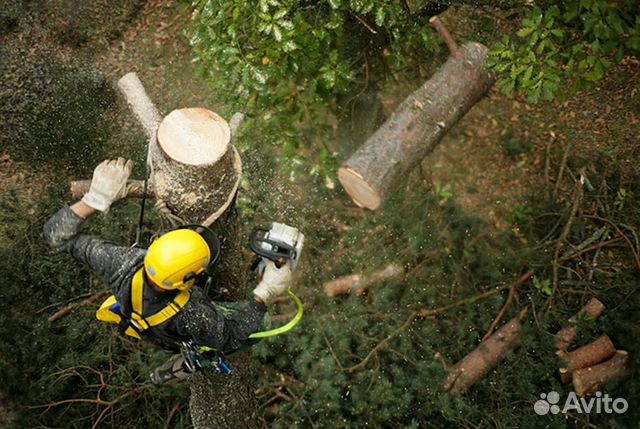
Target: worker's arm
point(61, 231)
point(208, 326)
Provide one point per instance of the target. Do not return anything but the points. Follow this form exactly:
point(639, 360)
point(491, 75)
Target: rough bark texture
point(594, 378)
point(484, 357)
point(565, 336)
point(358, 283)
point(590, 354)
point(216, 401)
point(416, 127)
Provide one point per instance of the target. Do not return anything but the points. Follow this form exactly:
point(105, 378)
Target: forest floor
point(490, 164)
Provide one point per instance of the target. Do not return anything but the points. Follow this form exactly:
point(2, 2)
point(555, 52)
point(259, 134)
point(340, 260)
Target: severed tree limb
point(622, 234)
point(140, 103)
point(359, 283)
point(424, 313)
point(590, 354)
point(577, 199)
point(503, 311)
point(484, 357)
point(565, 336)
point(446, 36)
point(594, 378)
point(70, 307)
point(135, 189)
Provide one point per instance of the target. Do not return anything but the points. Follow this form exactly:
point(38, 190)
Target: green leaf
point(534, 95)
point(524, 32)
point(380, 16)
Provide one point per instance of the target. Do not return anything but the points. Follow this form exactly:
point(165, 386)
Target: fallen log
point(594, 378)
point(595, 352)
point(371, 174)
point(485, 357)
point(358, 283)
point(565, 336)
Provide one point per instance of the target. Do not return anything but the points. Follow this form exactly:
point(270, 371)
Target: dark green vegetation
point(440, 227)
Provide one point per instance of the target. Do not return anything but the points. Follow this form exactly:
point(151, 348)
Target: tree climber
point(153, 298)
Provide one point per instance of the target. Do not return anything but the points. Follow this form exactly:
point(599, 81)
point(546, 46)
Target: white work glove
point(275, 281)
point(109, 183)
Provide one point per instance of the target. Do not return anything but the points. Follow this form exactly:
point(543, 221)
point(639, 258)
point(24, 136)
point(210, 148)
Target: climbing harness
point(197, 358)
point(111, 310)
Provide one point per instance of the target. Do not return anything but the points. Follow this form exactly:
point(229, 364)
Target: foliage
point(50, 368)
point(577, 40)
point(287, 62)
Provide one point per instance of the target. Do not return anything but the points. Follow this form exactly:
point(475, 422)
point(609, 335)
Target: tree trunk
point(416, 127)
point(590, 354)
point(195, 172)
point(594, 378)
point(565, 336)
point(486, 356)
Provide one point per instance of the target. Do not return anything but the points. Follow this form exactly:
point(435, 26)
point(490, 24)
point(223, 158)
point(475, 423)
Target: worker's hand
point(109, 183)
point(275, 281)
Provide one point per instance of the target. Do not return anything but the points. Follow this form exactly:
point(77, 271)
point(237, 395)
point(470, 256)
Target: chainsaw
point(280, 244)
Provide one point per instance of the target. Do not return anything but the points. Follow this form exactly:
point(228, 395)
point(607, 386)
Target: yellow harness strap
point(143, 323)
point(105, 314)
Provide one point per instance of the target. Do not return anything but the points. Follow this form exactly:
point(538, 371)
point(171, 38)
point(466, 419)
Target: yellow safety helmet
point(176, 258)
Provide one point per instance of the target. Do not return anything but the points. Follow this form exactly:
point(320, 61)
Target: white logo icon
point(547, 403)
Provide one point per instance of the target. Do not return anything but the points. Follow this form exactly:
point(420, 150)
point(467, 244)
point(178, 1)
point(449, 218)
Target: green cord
point(284, 328)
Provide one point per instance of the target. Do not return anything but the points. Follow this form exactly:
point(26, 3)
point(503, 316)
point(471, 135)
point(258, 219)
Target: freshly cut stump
point(194, 165)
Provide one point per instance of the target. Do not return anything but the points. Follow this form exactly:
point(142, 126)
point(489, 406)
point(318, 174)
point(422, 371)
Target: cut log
point(358, 283)
point(416, 127)
point(565, 336)
point(485, 357)
point(599, 350)
point(195, 171)
point(594, 378)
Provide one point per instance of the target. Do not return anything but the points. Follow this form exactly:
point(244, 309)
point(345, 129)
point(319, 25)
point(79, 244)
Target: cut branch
point(590, 354)
point(593, 379)
point(70, 307)
point(381, 164)
point(446, 36)
point(565, 336)
point(359, 283)
point(485, 357)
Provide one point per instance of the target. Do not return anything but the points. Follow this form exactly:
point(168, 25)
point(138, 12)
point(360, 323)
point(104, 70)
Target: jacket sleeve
point(207, 325)
point(110, 261)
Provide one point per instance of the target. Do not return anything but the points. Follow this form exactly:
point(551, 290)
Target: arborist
point(153, 295)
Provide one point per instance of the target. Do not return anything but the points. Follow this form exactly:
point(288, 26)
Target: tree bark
point(565, 336)
point(594, 378)
point(590, 354)
point(416, 127)
point(486, 356)
point(358, 283)
point(195, 171)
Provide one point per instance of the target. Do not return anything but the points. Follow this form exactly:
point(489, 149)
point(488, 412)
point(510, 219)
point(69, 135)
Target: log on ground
point(594, 378)
point(485, 357)
point(358, 283)
point(416, 127)
point(595, 352)
point(591, 310)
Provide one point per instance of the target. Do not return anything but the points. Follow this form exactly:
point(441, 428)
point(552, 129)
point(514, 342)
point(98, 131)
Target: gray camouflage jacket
point(199, 320)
